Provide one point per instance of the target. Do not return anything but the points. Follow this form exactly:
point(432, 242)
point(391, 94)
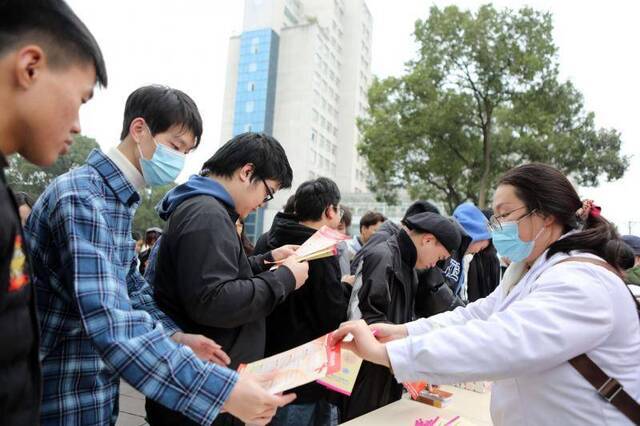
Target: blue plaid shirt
point(98, 318)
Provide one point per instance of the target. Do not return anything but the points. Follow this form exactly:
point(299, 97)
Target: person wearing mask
point(387, 295)
point(204, 279)
point(560, 336)
point(317, 308)
point(98, 319)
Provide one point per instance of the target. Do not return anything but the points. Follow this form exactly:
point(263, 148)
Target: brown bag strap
point(608, 387)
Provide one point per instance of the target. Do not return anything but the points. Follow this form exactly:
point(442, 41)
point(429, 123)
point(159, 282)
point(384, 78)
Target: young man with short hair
point(204, 280)
point(49, 66)
point(387, 295)
point(316, 309)
point(369, 224)
point(98, 318)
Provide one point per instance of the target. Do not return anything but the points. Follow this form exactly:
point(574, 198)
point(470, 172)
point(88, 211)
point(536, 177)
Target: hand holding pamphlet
point(314, 361)
point(320, 245)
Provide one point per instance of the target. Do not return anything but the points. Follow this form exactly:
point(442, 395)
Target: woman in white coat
point(546, 311)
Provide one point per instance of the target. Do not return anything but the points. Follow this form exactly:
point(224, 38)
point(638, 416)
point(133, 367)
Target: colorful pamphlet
point(320, 245)
point(344, 380)
point(298, 366)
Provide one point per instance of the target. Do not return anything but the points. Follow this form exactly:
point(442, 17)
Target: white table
point(472, 407)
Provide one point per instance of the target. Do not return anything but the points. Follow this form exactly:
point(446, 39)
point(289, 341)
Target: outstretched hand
point(250, 402)
point(364, 343)
point(204, 348)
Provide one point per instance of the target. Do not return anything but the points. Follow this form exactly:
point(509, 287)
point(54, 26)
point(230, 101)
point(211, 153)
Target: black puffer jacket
point(484, 274)
point(432, 296)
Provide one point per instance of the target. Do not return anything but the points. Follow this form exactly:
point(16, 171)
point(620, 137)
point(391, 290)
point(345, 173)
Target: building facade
point(300, 71)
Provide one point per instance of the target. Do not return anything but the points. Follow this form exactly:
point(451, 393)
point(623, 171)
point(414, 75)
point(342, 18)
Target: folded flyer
point(298, 366)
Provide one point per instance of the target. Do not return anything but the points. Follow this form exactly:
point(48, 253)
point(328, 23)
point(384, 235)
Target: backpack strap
point(608, 387)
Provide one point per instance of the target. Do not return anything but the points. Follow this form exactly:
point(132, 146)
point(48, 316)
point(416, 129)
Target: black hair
point(371, 218)
point(627, 257)
point(263, 151)
point(137, 236)
point(290, 206)
point(55, 28)
point(313, 197)
point(23, 199)
point(162, 107)
point(546, 190)
point(346, 217)
point(488, 213)
point(420, 206)
point(151, 237)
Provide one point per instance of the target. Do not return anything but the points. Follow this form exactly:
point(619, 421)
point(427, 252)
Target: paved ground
point(131, 407)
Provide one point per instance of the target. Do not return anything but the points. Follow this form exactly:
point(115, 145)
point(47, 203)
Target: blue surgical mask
point(164, 166)
point(508, 243)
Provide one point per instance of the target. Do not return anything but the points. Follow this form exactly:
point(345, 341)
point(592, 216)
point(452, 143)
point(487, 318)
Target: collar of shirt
point(114, 177)
point(129, 170)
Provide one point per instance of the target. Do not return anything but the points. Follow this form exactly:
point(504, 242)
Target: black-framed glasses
point(495, 222)
point(269, 195)
point(339, 210)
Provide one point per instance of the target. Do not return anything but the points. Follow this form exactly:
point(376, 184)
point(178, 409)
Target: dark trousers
point(159, 415)
point(375, 387)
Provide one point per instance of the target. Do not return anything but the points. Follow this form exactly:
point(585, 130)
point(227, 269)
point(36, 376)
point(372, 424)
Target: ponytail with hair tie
point(588, 209)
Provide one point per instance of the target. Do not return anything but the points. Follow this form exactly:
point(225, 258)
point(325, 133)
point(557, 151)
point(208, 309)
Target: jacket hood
point(195, 186)
point(286, 230)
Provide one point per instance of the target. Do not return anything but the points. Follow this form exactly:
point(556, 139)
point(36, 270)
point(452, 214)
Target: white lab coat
point(522, 339)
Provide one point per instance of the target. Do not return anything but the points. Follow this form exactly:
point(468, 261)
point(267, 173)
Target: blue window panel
point(258, 64)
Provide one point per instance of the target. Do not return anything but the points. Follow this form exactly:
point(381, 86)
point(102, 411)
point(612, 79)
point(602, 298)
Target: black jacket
point(317, 308)
point(484, 274)
point(207, 285)
point(20, 378)
point(389, 281)
point(387, 230)
point(432, 296)
point(389, 284)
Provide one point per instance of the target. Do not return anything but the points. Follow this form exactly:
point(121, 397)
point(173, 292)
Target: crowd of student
point(77, 315)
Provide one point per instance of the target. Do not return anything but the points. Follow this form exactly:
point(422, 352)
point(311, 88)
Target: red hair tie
point(588, 209)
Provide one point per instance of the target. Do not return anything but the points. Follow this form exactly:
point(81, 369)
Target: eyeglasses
point(495, 222)
point(339, 210)
point(269, 196)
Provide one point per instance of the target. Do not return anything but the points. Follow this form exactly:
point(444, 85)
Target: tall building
point(300, 71)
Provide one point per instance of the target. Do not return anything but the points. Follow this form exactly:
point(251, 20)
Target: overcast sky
point(184, 45)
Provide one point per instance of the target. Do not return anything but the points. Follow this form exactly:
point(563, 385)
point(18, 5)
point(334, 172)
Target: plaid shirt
point(98, 318)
